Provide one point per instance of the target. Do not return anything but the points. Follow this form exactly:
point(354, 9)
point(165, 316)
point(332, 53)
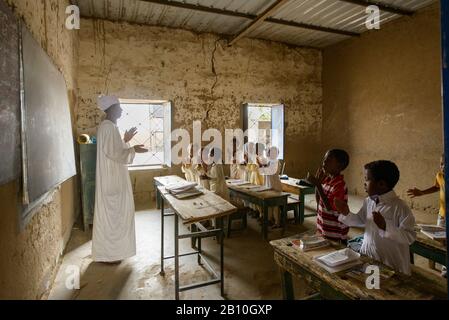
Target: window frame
point(167, 106)
point(244, 119)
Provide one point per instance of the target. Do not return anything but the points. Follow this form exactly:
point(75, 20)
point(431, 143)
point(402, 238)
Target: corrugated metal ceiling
point(333, 14)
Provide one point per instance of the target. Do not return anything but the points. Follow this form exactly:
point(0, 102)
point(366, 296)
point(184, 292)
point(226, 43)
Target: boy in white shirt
point(388, 221)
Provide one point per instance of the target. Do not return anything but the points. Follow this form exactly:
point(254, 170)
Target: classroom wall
point(29, 258)
point(205, 79)
point(381, 100)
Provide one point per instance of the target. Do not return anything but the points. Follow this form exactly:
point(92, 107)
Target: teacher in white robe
point(114, 237)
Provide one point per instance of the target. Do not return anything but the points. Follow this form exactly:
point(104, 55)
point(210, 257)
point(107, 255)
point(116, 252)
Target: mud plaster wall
point(29, 258)
point(205, 79)
point(381, 100)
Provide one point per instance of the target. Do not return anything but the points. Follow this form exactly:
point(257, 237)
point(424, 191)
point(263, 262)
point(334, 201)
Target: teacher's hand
point(129, 134)
point(140, 149)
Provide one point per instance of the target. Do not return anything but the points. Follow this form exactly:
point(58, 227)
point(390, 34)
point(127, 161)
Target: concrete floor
point(250, 272)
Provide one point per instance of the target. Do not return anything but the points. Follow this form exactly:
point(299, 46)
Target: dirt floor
point(250, 272)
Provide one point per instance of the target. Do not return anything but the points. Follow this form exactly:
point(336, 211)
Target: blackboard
point(48, 155)
point(9, 95)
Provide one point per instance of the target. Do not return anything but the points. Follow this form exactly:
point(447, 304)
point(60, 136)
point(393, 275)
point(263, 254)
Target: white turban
point(104, 102)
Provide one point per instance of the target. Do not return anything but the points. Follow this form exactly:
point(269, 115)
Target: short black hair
point(384, 170)
point(342, 157)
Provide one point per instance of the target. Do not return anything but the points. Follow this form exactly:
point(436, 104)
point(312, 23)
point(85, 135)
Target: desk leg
point(284, 218)
point(199, 251)
point(221, 255)
point(176, 258)
point(193, 239)
point(287, 286)
point(265, 222)
point(158, 197)
point(162, 273)
point(302, 204)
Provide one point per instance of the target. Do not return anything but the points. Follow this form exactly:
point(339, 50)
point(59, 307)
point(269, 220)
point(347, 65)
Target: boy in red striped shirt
point(330, 185)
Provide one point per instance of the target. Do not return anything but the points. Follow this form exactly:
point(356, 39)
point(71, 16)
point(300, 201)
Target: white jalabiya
point(114, 235)
point(217, 181)
point(392, 245)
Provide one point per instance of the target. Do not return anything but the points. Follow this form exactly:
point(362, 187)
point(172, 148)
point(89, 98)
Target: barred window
point(153, 122)
point(265, 124)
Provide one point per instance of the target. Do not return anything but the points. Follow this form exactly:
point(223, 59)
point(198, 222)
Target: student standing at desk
point(437, 187)
point(388, 221)
point(331, 186)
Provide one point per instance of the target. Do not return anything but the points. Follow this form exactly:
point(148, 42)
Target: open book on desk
point(432, 231)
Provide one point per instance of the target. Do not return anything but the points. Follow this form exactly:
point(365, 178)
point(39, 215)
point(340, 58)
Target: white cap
point(104, 102)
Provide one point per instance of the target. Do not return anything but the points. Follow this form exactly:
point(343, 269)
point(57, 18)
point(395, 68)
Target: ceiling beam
point(237, 14)
point(312, 27)
point(201, 8)
point(258, 21)
point(382, 6)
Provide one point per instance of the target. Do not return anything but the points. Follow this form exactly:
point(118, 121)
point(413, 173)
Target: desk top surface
point(291, 186)
point(430, 243)
point(199, 208)
point(269, 194)
point(393, 285)
point(166, 180)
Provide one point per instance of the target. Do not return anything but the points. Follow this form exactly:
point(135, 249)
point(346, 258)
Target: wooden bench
point(291, 186)
point(241, 214)
point(294, 204)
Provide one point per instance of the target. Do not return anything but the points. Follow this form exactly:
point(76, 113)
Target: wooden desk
point(192, 211)
point(425, 247)
point(264, 199)
point(291, 187)
point(164, 181)
point(422, 285)
point(431, 249)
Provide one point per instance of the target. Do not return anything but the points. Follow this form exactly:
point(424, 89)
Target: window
point(265, 124)
point(153, 122)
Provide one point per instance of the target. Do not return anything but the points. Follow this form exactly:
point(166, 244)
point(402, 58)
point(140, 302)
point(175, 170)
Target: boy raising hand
point(330, 185)
point(388, 221)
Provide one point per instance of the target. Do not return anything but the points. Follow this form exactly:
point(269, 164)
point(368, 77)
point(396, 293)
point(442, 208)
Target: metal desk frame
point(204, 233)
point(280, 201)
point(434, 254)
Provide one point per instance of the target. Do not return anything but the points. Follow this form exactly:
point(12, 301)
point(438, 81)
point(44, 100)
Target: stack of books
point(338, 260)
point(237, 182)
point(183, 190)
point(310, 242)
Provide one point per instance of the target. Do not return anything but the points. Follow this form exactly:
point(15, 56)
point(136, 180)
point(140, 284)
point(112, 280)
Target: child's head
point(335, 161)
point(442, 163)
point(380, 177)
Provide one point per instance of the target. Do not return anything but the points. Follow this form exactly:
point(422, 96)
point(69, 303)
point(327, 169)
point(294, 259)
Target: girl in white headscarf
point(216, 175)
point(188, 167)
point(201, 171)
point(271, 173)
point(255, 152)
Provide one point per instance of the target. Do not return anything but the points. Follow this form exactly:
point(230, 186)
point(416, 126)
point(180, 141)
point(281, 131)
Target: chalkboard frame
point(31, 202)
